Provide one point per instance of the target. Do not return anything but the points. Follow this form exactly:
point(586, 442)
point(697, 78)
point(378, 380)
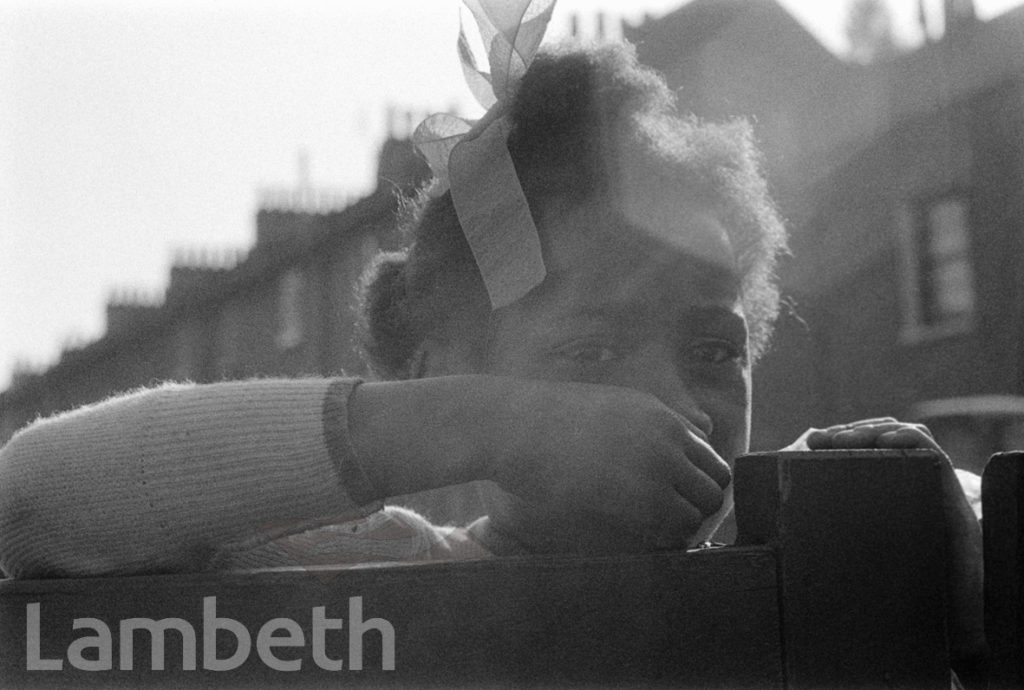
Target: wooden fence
point(837, 580)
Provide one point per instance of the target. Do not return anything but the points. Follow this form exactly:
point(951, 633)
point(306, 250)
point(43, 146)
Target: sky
point(133, 130)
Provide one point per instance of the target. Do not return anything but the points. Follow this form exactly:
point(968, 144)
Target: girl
point(607, 401)
point(587, 287)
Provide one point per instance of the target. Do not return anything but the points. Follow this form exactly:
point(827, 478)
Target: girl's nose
point(656, 372)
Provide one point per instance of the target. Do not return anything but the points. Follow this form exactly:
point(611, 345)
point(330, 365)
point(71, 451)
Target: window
point(289, 309)
point(947, 281)
point(940, 291)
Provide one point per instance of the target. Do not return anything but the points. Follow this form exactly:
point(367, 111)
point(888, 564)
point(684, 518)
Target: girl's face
point(641, 293)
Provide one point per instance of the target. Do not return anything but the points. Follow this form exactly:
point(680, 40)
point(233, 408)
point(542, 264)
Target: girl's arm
point(163, 479)
point(158, 479)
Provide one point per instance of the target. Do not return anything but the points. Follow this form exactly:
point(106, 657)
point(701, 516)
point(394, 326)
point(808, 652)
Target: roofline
point(359, 215)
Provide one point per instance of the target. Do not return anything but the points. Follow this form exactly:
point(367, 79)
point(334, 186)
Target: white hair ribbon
point(472, 159)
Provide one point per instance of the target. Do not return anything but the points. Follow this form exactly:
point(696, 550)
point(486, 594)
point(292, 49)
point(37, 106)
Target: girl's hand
point(879, 432)
point(600, 469)
point(588, 468)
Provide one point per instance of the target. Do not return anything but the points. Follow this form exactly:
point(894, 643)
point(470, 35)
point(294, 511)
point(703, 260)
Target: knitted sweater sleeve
point(160, 479)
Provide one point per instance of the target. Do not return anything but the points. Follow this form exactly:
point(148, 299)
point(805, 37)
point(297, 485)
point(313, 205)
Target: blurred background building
point(287, 307)
point(901, 176)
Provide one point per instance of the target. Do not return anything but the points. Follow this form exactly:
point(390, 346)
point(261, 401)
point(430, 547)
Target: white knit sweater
point(186, 477)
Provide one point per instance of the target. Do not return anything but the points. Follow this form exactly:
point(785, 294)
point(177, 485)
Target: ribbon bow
point(472, 158)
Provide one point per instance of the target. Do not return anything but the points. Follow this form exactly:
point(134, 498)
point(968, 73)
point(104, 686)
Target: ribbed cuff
point(351, 476)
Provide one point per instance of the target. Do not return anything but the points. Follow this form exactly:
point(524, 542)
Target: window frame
point(290, 328)
point(921, 319)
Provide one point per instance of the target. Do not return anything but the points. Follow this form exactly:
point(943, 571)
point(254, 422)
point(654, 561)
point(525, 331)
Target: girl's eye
point(714, 351)
point(591, 354)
